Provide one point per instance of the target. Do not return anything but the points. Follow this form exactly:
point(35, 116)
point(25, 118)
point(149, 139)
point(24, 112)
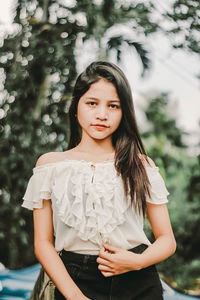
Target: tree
point(38, 63)
point(186, 24)
point(164, 141)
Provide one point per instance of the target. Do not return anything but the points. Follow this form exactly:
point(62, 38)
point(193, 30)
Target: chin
point(100, 136)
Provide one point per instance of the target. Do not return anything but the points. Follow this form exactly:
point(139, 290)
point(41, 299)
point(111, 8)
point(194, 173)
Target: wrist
point(137, 263)
point(74, 294)
point(140, 261)
point(143, 260)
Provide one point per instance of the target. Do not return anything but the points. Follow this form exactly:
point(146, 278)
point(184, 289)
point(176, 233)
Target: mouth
point(100, 126)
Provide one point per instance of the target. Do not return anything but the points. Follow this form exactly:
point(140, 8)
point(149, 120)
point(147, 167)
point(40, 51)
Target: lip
point(100, 126)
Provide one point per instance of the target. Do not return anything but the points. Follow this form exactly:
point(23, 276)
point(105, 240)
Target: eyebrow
point(111, 100)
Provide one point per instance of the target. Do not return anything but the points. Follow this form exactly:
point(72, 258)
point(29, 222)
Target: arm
point(165, 244)
point(113, 260)
point(47, 255)
point(43, 243)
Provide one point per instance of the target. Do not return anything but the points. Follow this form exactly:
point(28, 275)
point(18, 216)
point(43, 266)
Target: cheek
point(82, 114)
point(118, 119)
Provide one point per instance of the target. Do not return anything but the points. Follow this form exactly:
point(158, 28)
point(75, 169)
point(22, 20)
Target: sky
point(172, 71)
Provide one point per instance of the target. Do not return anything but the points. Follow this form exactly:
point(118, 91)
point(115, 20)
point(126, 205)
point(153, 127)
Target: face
point(99, 112)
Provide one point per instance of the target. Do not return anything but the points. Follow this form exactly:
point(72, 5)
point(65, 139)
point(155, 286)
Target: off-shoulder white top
point(89, 205)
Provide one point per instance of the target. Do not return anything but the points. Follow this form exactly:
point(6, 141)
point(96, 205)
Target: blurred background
point(44, 44)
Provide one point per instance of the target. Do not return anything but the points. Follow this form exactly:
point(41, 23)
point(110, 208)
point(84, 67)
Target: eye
point(91, 103)
point(114, 106)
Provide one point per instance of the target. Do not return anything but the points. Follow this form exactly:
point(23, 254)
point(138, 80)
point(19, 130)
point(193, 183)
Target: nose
point(102, 113)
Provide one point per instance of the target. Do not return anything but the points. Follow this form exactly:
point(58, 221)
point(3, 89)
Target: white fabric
point(89, 206)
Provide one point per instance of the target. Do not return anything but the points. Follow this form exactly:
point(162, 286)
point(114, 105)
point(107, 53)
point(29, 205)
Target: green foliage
point(185, 15)
point(39, 65)
point(181, 172)
point(117, 42)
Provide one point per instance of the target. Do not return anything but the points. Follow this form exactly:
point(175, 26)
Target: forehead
point(102, 89)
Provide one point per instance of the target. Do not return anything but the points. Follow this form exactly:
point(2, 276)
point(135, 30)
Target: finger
point(110, 248)
point(104, 268)
point(105, 255)
point(102, 261)
point(107, 274)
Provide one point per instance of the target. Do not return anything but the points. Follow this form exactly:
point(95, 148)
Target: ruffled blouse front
point(89, 205)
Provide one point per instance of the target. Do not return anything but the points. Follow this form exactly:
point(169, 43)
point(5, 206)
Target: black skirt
point(134, 285)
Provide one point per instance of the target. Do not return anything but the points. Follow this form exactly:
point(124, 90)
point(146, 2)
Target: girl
point(92, 198)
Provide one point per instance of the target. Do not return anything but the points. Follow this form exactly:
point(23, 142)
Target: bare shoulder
point(50, 157)
point(146, 160)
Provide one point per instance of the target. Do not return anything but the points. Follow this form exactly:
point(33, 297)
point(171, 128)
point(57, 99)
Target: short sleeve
point(158, 190)
point(39, 187)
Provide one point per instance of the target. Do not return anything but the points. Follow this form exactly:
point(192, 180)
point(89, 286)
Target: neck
point(90, 145)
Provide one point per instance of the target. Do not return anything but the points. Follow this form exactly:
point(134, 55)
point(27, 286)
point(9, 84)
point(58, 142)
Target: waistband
point(86, 258)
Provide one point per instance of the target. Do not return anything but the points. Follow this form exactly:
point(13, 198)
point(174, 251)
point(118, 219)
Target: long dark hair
point(129, 150)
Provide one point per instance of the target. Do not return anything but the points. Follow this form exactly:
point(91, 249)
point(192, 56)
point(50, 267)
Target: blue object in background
point(17, 285)
point(171, 294)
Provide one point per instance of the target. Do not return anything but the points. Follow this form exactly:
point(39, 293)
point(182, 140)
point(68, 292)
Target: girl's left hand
point(115, 261)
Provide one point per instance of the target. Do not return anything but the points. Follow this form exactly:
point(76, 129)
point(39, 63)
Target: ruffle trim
point(89, 200)
point(39, 187)
point(158, 189)
point(96, 214)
